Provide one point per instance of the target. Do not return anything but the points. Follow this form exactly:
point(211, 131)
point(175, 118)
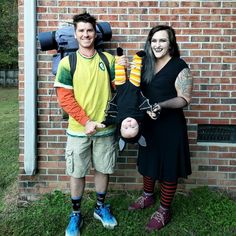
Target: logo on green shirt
point(102, 66)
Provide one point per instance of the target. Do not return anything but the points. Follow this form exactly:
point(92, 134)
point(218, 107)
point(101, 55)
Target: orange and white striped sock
point(135, 73)
point(120, 75)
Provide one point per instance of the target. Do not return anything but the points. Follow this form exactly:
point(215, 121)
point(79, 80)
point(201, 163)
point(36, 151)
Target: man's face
point(85, 34)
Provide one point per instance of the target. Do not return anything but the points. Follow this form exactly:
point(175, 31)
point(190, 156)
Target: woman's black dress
point(166, 157)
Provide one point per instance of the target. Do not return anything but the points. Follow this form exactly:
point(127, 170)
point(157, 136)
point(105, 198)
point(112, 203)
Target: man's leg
point(104, 161)
point(77, 190)
point(76, 221)
point(77, 186)
point(102, 212)
point(77, 164)
point(100, 181)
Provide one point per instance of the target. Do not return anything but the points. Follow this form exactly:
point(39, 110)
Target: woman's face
point(160, 44)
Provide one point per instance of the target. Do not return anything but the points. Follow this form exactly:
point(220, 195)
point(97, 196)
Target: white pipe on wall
point(30, 132)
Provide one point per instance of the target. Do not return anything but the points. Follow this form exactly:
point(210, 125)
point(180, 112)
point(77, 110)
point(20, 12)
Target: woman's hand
point(152, 115)
point(155, 111)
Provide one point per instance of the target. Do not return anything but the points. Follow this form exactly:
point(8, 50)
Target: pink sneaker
point(159, 219)
point(142, 202)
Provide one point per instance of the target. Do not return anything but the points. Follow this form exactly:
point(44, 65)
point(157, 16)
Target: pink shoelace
point(159, 217)
point(140, 201)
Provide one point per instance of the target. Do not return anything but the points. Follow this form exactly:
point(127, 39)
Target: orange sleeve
point(67, 101)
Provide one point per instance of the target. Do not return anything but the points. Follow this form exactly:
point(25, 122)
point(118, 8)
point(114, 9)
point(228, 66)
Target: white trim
point(60, 85)
point(30, 84)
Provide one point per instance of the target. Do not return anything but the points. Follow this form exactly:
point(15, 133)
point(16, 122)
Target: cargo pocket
point(69, 162)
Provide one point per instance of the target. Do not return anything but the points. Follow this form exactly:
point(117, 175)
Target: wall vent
point(216, 133)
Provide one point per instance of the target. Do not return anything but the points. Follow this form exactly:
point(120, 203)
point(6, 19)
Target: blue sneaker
point(104, 214)
point(73, 228)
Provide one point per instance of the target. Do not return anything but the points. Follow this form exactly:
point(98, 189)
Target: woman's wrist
point(156, 107)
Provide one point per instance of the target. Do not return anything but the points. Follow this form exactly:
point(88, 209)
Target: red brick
point(220, 107)
point(201, 11)
point(170, 4)
point(200, 24)
point(220, 121)
point(107, 3)
point(221, 11)
point(128, 4)
point(211, 4)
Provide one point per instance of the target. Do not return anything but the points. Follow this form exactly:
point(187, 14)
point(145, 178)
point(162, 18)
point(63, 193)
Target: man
point(84, 97)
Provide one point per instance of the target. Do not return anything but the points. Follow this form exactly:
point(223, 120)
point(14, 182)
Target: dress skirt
point(166, 156)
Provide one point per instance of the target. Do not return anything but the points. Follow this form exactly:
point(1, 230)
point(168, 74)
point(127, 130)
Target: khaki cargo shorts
point(84, 152)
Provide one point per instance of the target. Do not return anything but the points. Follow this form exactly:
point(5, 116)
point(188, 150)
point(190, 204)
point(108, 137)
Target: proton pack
point(64, 41)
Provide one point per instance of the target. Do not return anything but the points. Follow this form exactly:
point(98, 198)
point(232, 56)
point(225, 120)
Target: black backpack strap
point(73, 62)
point(106, 62)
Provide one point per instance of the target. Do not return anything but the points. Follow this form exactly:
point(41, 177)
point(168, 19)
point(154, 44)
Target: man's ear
point(142, 141)
point(122, 144)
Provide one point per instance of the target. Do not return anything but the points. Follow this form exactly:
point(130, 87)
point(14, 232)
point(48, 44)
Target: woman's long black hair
point(149, 60)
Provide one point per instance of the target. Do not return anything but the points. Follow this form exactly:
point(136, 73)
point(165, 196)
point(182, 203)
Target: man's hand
point(92, 126)
point(123, 61)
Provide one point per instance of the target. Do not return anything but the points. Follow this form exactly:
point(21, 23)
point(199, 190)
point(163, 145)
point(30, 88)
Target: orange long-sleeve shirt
point(67, 101)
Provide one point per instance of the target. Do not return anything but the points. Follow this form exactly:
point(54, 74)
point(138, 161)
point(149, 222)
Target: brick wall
point(206, 32)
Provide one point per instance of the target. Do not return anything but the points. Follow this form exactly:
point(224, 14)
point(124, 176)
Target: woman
point(166, 80)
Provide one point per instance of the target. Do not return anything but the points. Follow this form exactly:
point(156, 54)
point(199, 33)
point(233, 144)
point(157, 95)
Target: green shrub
point(9, 34)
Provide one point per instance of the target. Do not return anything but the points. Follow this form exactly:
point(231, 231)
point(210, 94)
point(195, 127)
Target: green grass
point(200, 212)
point(8, 138)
